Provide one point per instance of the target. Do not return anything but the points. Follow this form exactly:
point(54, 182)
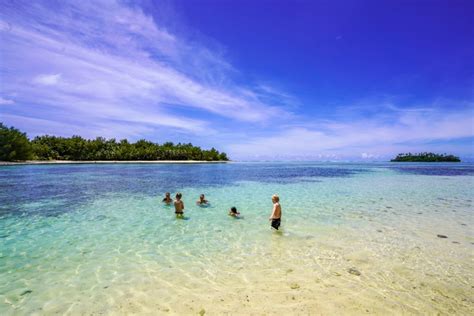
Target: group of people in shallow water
point(275, 217)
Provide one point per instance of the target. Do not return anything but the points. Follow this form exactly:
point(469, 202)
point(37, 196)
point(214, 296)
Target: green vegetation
point(15, 146)
point(426, 157)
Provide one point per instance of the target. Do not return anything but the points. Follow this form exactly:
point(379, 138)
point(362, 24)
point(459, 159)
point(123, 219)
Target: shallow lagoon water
point(355, 239)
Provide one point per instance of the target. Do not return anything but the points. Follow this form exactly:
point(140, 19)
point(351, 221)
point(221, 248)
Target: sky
point(260, 80)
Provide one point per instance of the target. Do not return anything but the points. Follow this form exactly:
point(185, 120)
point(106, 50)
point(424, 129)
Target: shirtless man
point(167, 198)
point(179, 205)
point(202, 200)
point(276, 212)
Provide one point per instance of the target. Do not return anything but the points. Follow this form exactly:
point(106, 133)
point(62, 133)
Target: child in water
point(276, 212)
point(179, 205)
point(167, 198)
point(202, 200)
point(233, 212)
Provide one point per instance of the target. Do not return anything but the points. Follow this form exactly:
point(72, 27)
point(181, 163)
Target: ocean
point(356, 238)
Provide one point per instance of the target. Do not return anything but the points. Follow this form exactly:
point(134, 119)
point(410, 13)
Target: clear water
point(355, 238)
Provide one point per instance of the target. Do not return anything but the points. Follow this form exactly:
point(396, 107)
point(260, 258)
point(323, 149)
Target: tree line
point(15, 146)
point(426, 157)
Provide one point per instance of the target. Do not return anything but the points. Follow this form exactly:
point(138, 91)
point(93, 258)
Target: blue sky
point(258, 79)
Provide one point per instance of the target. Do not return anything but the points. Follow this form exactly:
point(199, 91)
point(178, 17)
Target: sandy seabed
point(339, 275)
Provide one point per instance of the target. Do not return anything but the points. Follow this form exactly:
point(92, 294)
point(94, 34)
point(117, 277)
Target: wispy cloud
point(47, 80)
point(374, 137)
point(103, 60)
point(6, 101)
point(38, 126)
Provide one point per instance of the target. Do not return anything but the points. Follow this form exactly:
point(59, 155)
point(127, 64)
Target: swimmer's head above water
point(167, 198)
point(233, 211)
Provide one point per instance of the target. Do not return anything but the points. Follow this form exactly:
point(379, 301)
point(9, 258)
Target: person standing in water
point(275, 218)
point(167, 198)
point(179, 205)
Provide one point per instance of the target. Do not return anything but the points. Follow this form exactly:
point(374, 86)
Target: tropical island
point(16, 147)
point(425, 157)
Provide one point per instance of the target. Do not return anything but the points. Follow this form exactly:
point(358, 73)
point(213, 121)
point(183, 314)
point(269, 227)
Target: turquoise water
point(96, 239)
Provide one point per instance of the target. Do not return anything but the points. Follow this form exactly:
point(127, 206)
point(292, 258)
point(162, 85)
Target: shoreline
point(72, 162)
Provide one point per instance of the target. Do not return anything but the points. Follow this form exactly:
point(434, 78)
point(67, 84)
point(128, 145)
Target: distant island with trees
point(15, 146)
point(425, 157)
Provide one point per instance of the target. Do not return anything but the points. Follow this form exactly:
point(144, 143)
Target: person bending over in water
point(178, 205)
point(233, 212)
point(202, 200)
point(276, 212)
point(167, 198)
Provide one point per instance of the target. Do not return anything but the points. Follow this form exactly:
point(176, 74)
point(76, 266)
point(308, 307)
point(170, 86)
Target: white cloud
point(6, 101)
point(369, 156)
point(407, 130)
point(39, 126)
point(47, 80)
point(108, 61)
